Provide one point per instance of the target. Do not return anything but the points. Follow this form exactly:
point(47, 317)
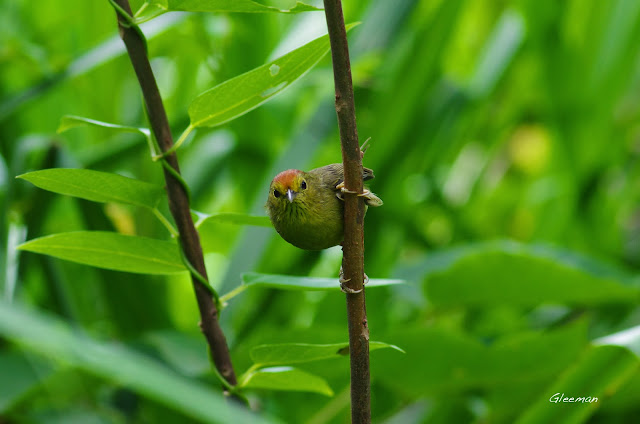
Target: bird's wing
point(333, 174)
point(333, 177)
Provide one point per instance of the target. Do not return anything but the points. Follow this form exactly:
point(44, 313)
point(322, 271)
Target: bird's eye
point(276, 193)
point(303, 185)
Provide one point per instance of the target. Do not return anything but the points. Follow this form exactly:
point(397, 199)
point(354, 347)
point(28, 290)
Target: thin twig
point(353, 245)
point(177, 192)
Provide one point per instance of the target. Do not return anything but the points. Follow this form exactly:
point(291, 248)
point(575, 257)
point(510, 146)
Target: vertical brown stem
point(178, 197)
point(353, 245)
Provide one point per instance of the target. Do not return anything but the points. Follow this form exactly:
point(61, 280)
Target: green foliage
point(599, 372)
point(284, 378)
point(239, 95)
point(288, 282)
point(56, 340)
point(234, 218)
point(505, 147)
point(110, 250)
point(96, 186)
point(514, 274)
point(292, 353)
point(240, 6)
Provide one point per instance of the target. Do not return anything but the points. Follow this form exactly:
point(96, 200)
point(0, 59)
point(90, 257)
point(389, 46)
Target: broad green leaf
point(53, 338)
point(246, 92)
point(294, 353)
point(517, 274)
point(598, 374)
point(451, 360)
point(285, 378)
point(70, 121)
point(289, 282)
point(111, 251)
point(236, 218)
point(96, 186)
point(227, 6)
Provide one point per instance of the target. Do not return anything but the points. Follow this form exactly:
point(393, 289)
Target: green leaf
point(96, 186)
point(227, 6)
point(518, 274)
point(25, 373)
point(70, 121)
point(598, 374)
point(499, 52)
point(180, 350)
point(629, 338)
point(295, 353)
point(451, 360)
point(236, 218)
point(111, 251)
point(53, 338)
point(289, 282)
point(285, 378)
point(246, 92)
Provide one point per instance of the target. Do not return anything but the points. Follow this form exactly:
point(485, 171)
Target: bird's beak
point(291, 195)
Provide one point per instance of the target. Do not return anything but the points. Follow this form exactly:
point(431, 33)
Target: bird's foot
point(370, 198)
point(347, 289)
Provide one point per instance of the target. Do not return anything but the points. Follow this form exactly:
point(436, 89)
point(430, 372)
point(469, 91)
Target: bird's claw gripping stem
point(365, 193)
point(347, 289)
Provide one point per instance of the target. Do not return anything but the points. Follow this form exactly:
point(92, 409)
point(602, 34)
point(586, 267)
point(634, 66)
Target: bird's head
point(287, 187)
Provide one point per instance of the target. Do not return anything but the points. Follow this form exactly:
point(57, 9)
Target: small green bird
point(307, 208)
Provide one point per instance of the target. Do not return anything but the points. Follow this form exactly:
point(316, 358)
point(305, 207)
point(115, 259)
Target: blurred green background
point(505, 138)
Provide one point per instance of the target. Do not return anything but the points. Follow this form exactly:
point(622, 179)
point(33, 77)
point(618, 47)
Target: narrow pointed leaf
point(288, 282)
point(237, 219)
point(53, 338)
point(629, 338)
point(25, 372)
point(581, 390)
point(294, 353)
point(286, 378)
point(246, 92)
point(111, 251)
point(70, 121)
point(227, 6)
point(96, 186)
